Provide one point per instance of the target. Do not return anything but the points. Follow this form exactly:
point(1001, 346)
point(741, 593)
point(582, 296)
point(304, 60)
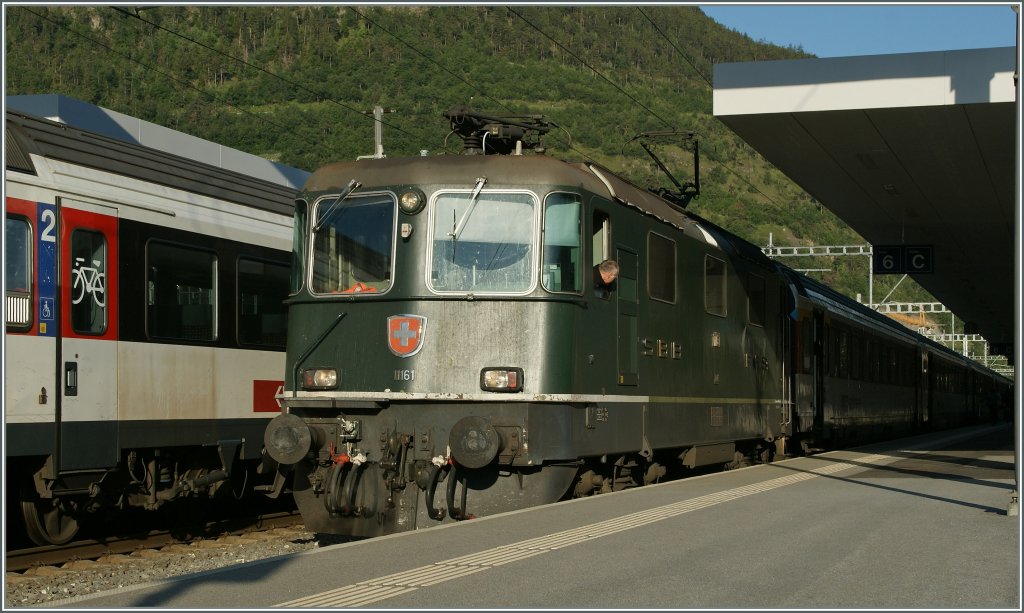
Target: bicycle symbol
point(87, 280)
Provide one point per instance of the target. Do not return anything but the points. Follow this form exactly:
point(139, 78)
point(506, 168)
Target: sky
point(871, 29)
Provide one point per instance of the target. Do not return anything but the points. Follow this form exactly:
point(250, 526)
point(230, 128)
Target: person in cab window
point(605, 275)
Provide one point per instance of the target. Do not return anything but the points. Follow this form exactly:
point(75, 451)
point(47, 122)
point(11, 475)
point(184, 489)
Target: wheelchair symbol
point(46, 308)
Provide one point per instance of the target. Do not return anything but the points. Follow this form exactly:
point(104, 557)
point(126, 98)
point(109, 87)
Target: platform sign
point(918, 259)
point(887, 260)
point(902, 259)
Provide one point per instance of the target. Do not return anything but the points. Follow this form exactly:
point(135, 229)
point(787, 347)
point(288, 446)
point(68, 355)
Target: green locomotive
point(452, 351)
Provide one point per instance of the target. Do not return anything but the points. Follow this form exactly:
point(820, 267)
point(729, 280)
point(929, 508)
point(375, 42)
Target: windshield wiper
point(458, 228)
point(352, 186)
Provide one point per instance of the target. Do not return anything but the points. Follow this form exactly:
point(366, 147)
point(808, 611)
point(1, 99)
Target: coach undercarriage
point(55, 506)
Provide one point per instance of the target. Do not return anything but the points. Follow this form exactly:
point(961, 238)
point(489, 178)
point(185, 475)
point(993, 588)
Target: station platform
point(913, 523)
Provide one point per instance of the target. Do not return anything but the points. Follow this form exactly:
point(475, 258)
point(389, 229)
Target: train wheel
point(46, 522)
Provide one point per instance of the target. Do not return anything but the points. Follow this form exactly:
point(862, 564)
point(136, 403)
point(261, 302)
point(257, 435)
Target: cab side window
point(563, 243)
point(601, 249)
point(601, 237)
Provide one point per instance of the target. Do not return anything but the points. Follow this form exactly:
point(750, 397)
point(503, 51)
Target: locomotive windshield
point(483, 244)
point(353, 244)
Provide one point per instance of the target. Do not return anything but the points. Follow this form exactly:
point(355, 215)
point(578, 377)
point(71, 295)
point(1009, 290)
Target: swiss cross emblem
point(405, 334)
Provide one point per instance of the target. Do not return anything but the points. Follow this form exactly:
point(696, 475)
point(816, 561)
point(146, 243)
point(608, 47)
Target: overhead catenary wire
point(568, 144)
point(710, 87)
point(654, 24)
point(584, 62)
point(633, 98)
point(152, 68)
point(319, 95)
point(429, 59)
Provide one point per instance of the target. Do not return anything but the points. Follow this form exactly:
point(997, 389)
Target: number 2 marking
point(49, 219)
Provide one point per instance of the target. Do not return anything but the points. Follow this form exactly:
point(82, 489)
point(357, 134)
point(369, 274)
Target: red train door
point(87, 353)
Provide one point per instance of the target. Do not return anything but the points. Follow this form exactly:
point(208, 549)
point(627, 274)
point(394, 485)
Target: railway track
point(84, 553)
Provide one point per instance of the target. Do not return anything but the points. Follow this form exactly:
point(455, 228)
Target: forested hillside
point(297, 84)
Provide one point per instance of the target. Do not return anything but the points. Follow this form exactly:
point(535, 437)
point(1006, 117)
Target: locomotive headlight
point(412, 201)
point(319, 379)
point(501, 379)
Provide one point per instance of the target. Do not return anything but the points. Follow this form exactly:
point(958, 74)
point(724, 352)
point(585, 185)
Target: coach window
point(262, 289)
point(714, 286)
point(353, 242)
point(756, 300)
point(844, 355)
point(182, 292)
point(856, 356)
point(661, 268)
point(891, 369)
point(88, 282)
point(562, 243)
point(18, 254)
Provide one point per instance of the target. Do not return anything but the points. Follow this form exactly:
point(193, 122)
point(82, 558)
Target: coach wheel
point(46, 522)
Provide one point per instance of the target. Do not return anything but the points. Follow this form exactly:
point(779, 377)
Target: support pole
point(1013, 508)
point(378, 133)
point(871, 280)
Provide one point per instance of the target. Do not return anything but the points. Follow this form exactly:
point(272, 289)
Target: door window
point(88, 282)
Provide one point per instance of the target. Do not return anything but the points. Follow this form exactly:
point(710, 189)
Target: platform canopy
point(910, 150)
